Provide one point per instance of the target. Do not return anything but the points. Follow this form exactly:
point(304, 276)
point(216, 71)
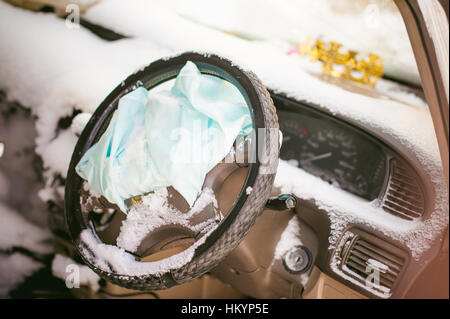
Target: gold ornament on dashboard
point(365, 71)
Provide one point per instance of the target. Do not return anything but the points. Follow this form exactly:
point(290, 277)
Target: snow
point(79, 122)
point(52, 70)
point(92, 192)
point(288, 22)
point(155, 211)
point(19, 218)
point(86, 275)
point(14, 269)
point(114, 258)
point(205, 198)
point(146, 19)
point(16, 231)
point(68, 69)
point(60, 79)
point(344, 209)
point(395, 91)
point(55, 154)
point(289, 238)
point(248, 190)
point(410, 126)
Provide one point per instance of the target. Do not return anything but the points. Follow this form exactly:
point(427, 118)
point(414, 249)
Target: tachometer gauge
point(333, 155)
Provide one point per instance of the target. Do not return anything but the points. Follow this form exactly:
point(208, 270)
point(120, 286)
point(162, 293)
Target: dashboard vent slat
point(405, 208)
point(368, 254)
point(363, 262)
point(397, 213)
point(394, 266)
point(407, 197)
point(404, 196)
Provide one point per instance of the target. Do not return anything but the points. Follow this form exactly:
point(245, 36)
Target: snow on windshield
point(363, 26)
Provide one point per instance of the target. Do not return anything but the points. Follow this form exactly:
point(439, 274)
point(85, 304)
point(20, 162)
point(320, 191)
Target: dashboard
point(357, 162)
point(350, 158)
point(332, 150)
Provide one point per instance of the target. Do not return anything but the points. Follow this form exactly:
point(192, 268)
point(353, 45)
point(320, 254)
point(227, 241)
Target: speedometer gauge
point(338, 153)
point(333, 155)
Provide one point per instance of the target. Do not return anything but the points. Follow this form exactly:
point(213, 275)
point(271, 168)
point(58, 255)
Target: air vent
point(368, 254)
point(404, 197)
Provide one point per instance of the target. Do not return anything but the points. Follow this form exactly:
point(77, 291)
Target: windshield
point(365, 26)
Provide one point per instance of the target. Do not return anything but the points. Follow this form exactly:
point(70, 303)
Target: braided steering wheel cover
point(242, 216)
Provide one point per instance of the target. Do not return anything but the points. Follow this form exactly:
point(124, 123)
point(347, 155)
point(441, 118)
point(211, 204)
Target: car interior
point(359, 203)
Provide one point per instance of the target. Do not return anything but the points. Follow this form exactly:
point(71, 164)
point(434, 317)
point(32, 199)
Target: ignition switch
point(297, 260)
point(282, 202)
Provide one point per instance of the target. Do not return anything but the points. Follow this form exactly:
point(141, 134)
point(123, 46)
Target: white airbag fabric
point(166, 138)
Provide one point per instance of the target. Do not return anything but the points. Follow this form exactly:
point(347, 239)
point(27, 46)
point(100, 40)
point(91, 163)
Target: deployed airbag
point(166, 138)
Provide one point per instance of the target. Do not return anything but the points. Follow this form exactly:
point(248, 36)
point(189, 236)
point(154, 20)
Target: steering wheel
point(209, 248)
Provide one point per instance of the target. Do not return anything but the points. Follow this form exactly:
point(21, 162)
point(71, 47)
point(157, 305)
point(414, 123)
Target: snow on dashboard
point(344, 209)
point(148, 20)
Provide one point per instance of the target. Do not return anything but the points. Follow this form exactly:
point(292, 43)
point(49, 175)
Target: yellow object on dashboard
point(365, 71)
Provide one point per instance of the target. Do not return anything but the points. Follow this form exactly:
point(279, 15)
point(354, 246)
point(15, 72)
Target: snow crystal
point(86, 275)
point(248, 190)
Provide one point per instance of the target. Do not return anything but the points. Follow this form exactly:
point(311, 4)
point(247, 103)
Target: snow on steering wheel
point(208, 230)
